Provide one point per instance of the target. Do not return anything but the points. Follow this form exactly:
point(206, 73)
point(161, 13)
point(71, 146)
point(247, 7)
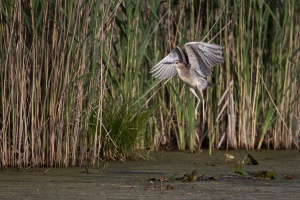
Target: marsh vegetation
point(75, 83)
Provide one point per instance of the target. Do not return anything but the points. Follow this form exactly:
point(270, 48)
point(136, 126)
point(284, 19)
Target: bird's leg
point(203, 106)
point(194, 93)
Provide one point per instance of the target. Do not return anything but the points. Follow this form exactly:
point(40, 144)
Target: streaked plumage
point(193, 66)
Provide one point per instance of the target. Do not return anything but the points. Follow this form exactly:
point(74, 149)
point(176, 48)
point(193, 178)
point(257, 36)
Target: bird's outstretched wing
point(203, 56)
point(164, 68)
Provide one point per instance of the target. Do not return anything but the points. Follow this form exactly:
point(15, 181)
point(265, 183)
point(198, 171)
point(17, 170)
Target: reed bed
point(76, 89)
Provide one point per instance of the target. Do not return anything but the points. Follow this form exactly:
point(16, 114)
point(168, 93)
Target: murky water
point(130, 179)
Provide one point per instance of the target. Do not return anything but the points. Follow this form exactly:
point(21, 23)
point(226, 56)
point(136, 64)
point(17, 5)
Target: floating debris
point(252, 160)
point(169, 187)
point(86, 171)
point(238, 168)
point(229, 157)
point(264, 174)
point(173, 177)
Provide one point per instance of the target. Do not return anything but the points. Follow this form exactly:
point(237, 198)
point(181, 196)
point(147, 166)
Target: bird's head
point(175, 63)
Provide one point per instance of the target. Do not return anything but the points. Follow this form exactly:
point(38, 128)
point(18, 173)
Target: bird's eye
point(176, 62)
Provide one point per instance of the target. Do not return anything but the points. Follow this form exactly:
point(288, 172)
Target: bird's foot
point(204, 118)
point(196, 114)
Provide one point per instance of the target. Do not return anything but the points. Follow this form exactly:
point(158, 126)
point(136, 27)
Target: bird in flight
point(193, 66)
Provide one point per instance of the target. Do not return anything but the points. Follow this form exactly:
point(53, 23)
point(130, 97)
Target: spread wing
point(164, 68)
point(203, 56)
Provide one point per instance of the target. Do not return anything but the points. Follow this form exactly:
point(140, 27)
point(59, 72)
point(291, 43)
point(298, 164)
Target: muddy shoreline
point(149, 179)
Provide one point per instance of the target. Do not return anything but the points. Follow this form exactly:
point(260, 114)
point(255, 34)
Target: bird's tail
point(209, 84)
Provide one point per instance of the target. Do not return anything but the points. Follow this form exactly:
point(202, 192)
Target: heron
point(193, 67)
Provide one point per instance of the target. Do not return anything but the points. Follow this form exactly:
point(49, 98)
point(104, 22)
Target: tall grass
point(75, 82)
